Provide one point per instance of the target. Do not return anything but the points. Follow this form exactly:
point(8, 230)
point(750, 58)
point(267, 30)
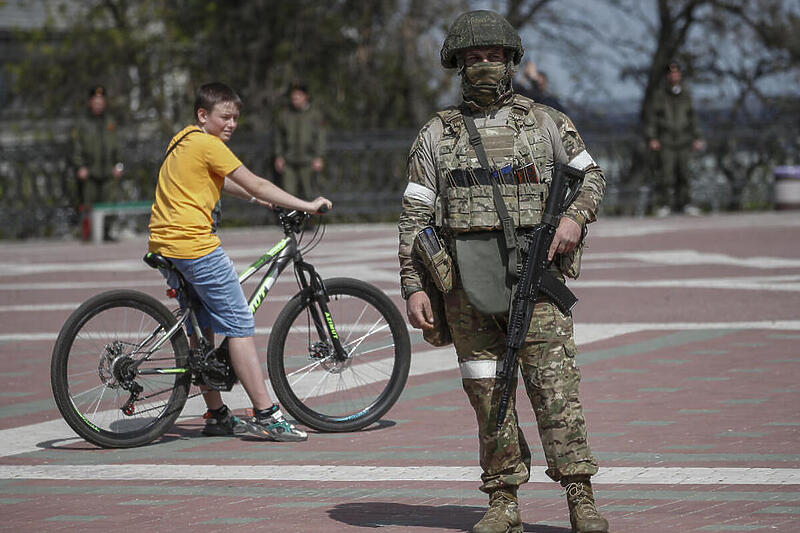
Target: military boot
point(502, 515)
point(583, 513)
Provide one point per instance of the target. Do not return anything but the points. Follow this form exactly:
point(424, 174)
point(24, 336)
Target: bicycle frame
point(278, 258)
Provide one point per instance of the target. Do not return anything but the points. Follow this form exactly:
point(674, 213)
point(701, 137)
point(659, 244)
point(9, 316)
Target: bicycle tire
point(337, 397)
point(98, 338)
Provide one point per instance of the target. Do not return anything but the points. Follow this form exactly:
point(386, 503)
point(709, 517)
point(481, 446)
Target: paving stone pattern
point(688, 331)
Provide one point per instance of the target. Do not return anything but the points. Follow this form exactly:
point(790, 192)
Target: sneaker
point(221, 425)
point(274, 427)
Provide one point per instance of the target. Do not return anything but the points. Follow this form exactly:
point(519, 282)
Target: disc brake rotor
point(324, 352)
point(105, 368)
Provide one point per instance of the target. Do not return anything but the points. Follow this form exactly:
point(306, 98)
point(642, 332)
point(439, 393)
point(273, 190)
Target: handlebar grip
point(323, 209)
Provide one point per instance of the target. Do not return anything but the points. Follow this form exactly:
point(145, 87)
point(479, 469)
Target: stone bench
point(101, 210)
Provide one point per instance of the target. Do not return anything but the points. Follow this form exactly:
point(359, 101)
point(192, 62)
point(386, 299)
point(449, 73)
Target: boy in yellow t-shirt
point(198, 167)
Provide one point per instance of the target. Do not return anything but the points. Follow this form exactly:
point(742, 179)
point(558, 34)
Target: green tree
point(361, 60)
point(744, 54)
point(110, 42)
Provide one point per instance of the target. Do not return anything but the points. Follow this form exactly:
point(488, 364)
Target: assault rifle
point(535, 277)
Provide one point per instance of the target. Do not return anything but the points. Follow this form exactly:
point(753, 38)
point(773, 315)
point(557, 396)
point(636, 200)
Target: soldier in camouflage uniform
point(95, 156)
point(670, 126)
point(515, 130)
point(299, 142)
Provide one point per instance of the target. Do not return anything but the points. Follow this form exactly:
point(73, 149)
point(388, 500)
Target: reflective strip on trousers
point(480, 369)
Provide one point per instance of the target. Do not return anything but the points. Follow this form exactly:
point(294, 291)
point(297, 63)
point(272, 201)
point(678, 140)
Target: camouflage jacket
point(299, 135)
point(671, 119)
point(95, 146)
point(423, 188)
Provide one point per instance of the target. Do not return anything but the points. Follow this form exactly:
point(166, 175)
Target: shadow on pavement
point(380, 424)
point(177, 432)
point(76, 443)
point(447, 517)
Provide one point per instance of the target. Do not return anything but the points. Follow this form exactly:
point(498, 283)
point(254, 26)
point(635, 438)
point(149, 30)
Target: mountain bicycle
point(338, 354)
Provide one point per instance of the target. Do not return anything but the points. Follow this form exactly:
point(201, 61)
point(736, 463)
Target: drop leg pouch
point(440, 334)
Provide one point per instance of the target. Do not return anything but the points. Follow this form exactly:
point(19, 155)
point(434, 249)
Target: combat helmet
point(478, 29)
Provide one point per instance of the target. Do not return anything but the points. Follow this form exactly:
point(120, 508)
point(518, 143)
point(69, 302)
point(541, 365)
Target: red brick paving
point(725, 401)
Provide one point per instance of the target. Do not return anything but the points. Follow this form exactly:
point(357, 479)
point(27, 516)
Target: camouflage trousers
point(94, 190)
point(672, 181)
point(551, 377)
point(300, 180)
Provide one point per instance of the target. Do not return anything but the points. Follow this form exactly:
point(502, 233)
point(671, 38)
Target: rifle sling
point(506, 222)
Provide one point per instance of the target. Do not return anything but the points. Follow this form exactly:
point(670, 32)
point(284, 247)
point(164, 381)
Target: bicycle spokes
point(119, 379)
point(332, 387)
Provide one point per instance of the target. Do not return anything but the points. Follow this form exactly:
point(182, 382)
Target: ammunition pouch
point(472, 208)
point(508, 175)
point(433, 254)
point(437, 278)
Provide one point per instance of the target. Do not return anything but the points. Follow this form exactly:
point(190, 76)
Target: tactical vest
point(465, 201)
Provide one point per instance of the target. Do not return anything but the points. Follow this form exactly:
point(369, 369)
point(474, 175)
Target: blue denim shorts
point(213, 281)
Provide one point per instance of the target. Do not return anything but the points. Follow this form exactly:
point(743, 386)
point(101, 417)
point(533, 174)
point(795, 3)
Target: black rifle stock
point(535, 277)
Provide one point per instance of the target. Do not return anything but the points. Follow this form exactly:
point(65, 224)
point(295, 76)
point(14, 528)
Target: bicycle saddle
point(155, 260)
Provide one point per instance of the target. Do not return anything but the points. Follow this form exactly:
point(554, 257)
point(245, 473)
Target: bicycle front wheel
point(108, 383)
point(330, 395)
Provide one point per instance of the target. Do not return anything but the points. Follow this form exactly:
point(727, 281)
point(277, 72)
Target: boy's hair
point(210, 94)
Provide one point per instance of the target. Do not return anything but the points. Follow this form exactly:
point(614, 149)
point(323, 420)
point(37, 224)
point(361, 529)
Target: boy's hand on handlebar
point(320, 205)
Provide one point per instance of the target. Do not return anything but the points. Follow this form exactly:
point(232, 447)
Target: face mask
point(485, 73)
point(485, 83)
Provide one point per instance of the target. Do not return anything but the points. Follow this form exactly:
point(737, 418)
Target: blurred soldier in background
point(670, 127)
point(537, 87)
point(299, 143)
point(451, 190)
point(95, 156)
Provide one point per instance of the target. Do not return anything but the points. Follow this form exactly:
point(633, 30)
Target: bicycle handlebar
point(292, 221)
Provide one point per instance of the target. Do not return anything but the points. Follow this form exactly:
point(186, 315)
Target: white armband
point(421, 193)
point(582, 161)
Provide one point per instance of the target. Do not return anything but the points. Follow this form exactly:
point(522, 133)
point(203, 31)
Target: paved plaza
point(688, 330)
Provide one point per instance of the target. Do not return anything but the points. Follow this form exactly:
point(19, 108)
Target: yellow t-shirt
point(189, 185)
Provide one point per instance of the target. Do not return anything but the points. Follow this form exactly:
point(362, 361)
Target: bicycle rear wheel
point(330, 395)
point(98, 360)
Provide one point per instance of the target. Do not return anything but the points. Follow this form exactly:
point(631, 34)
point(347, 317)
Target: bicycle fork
point(312, 291)
point(316, 298)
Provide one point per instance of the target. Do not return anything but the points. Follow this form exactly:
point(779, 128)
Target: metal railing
point(365, 174)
